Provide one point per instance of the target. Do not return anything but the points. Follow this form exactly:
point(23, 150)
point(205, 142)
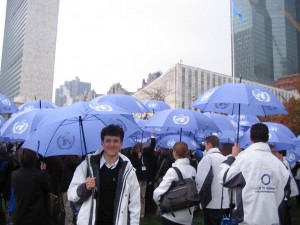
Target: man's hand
point(90, 183)
point(236, 149)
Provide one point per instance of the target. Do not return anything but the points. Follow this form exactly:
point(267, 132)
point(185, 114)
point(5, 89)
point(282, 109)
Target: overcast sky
point(108, 41)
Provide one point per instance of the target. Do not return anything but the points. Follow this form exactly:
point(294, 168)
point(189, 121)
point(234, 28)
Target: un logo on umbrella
point(5, 101)
point(20, 127)
point(66, 141)
point(290, 157)
point(221, 105)
point(101, 107)
point(171, 143)
point(261, 96)
point(181, 119)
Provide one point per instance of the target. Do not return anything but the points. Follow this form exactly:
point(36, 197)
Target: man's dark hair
point(259, 133)
point(226, 149)
point(214, 140)
point(27, 158)
point(112, 130)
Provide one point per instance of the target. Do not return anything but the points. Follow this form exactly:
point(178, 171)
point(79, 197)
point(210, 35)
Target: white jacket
point(181, 216)
point(127, 204)
point(207, 181)
point(259, 179)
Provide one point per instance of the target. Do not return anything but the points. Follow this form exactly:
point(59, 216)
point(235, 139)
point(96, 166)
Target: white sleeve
point(164, 186)
point(202, 171)
point(79, 177)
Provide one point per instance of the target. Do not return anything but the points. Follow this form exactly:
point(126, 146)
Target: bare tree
point(157, 94)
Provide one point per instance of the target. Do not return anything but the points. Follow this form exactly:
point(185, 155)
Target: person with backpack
point(181, 156)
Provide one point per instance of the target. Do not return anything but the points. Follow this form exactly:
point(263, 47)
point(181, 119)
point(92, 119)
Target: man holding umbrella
point(258, 179)
point(106, 184)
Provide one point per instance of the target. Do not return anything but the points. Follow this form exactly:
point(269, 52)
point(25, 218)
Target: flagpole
point(232, 42)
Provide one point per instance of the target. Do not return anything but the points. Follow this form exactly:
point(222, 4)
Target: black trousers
point(284, 213)
point(213, 216)
point(168, 222)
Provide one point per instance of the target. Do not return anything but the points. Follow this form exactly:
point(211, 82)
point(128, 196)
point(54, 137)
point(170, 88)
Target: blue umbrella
point(37, 104)
point(182, 120)
point(156, 105)
point(7, 105)
point(75, 130)
point(20, 125)
point(240, 99)
point(168, 141)
point(127, 102)
point(246, 99)
point(279, 139)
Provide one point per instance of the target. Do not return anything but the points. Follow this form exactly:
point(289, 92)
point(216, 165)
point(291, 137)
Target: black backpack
point(182, 194)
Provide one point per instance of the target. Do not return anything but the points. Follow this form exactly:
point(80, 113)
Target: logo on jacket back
point(265, 179)
point(265, 185)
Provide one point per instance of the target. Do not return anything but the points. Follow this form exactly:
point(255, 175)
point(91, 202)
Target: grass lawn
point(155, 220)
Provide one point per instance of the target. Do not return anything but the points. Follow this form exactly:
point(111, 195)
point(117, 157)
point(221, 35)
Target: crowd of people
point(121, 186)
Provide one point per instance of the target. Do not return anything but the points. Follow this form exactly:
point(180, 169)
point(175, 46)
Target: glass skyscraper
point(28, 55)
point(266, 42)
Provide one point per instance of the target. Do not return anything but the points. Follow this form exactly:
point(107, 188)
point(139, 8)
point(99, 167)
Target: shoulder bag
point(182, 194)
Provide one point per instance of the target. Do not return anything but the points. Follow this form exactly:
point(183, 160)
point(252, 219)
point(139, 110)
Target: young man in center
point(107, 185)
point(214, 198)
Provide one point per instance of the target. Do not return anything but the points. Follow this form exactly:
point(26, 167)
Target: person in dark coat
point(6, 166)
point(55, 168)
point(142, 160)
point(31, 187)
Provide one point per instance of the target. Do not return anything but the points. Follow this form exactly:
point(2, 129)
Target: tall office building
point(71, 91)
point(266, 42)
point(28, 55)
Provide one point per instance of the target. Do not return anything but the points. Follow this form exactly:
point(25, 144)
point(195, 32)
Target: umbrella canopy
point(169, 141)
point(127, 102)
point(2, 121)
point(155, 105)
point(246, 121)
point(143, 123)
point(240, 98)
point(7, 105)
point(37, 104)
point(20, 125)
point(75, 130)
point(277, 137)
point(224, 123)
point(172, 120)
point(278, 127)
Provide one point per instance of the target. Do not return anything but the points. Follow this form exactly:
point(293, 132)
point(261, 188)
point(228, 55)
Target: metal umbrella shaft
point(86, 155)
